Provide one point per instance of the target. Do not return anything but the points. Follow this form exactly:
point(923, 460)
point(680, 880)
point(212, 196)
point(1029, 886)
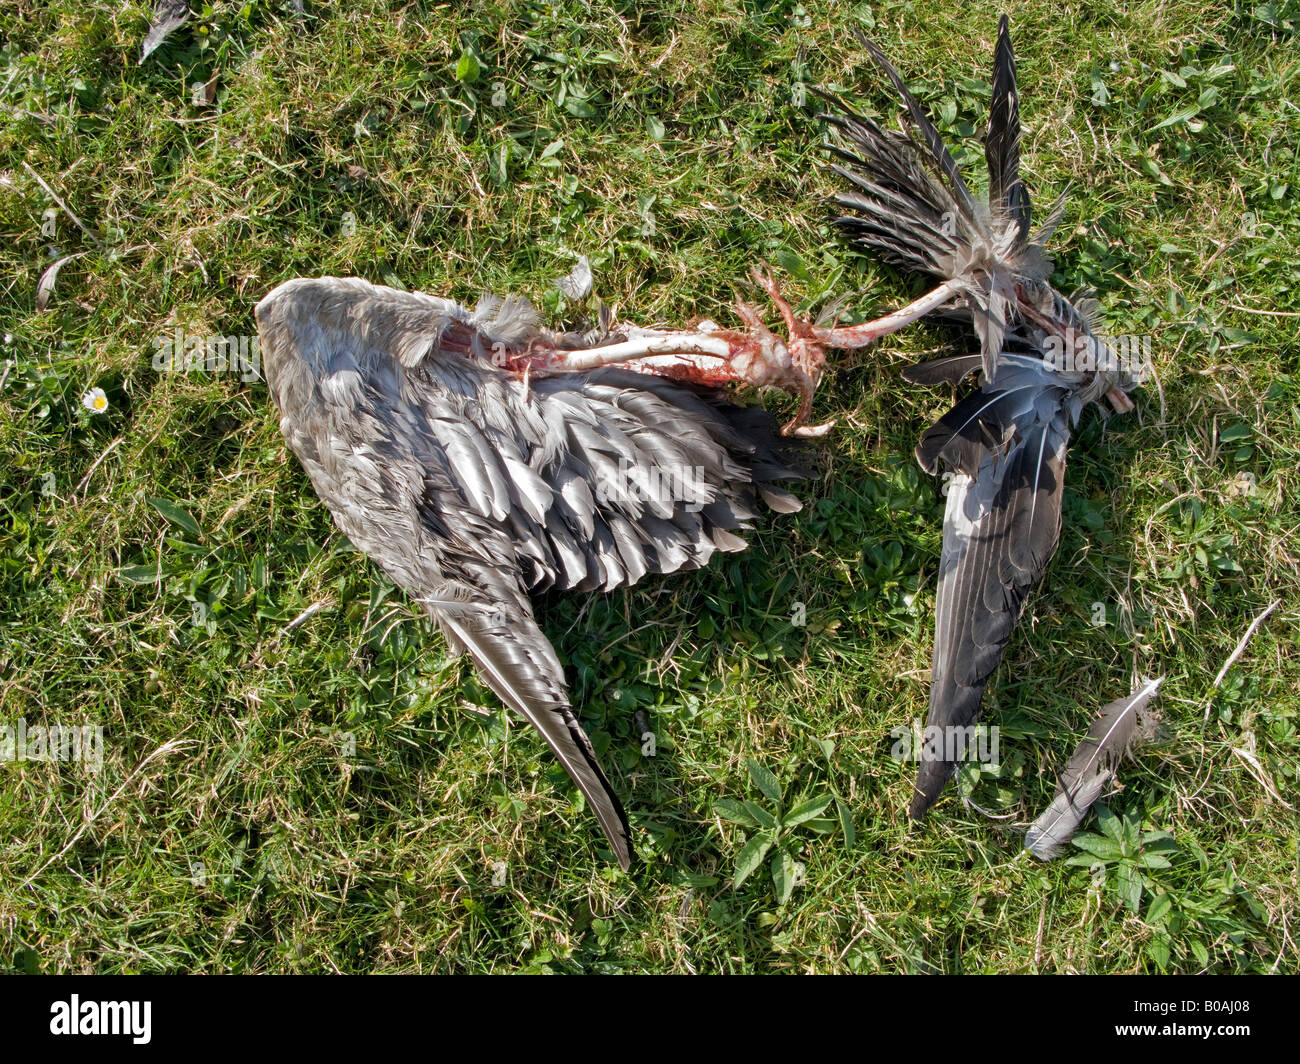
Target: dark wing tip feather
point(524, 673)
point(1007, 192)
point(921, 121)
point(950, 370)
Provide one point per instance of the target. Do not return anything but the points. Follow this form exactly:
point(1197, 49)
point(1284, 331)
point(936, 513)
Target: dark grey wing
point(1005, 448)
point(413, 492)
point(910, 203)
point(650, 476)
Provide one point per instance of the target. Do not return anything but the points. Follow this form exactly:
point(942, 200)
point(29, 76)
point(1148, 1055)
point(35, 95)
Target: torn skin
point(707, 355)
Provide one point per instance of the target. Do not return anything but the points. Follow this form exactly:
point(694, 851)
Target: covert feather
point(1090, 770)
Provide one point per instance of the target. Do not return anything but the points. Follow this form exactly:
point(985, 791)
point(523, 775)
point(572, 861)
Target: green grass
point(331, 797)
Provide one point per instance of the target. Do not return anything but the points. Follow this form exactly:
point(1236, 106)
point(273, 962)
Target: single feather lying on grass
point(45, 286)
point(1091, 770)
point(168, 17)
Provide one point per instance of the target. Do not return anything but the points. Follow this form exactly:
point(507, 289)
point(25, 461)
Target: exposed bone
point(706, 355)
point(851, 336)
point(713, 356)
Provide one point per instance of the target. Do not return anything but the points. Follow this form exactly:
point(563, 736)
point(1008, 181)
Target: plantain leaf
point(177, 516)
point(765, 781)
point(783, 876)
point(142, 574)
point(750, 857)
point(846, 823)
point(808, 810)
point(734, 812)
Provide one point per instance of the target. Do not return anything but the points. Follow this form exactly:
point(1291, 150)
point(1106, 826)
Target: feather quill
point(1090, 771)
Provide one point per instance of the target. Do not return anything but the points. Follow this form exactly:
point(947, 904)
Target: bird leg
point(852, 336)
point(708, 355)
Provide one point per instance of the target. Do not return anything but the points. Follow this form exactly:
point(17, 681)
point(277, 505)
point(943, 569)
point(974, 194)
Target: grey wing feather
point(1007, 192)
point(518, 663)
point(951, 370)
point(1089, 772)
point(922, 123)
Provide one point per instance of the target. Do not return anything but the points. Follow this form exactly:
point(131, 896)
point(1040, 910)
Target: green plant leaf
point(1107, 849)
point(177, 516)
point(761, 815)
point(1199, 951)
point(1158, 950)
point(734, 812)
point(143, 574)
point(1177, 118)
point(765, 781)
point(750, 857)
point(783, 876)
point(846, 823)
point(1158, 909)
point(1129, 882)
point(808, 810)
point(468, 69)
point(1111, 825)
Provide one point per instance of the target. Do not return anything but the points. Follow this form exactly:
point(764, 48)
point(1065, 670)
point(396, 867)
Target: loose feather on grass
point(1090, 771)
point(168, 17)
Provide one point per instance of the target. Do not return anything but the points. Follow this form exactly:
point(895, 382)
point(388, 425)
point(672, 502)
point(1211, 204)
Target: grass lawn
point(337, 794)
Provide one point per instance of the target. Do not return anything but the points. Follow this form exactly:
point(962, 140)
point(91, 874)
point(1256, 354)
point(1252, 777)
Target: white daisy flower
point(95, 401)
